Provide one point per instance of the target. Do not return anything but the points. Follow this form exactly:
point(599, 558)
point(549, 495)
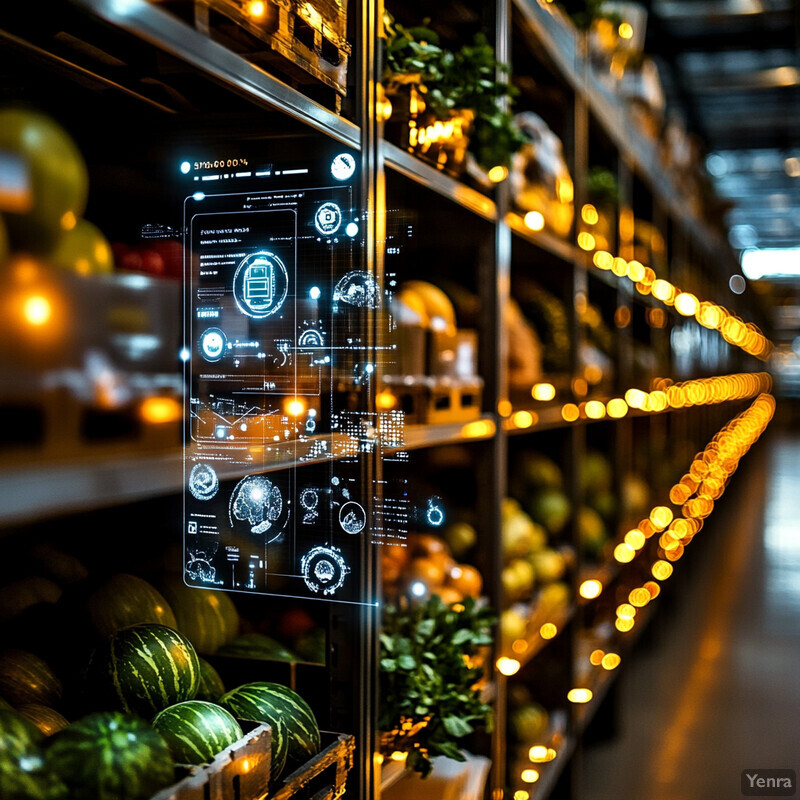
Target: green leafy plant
point(429, 698)
point(470, 78)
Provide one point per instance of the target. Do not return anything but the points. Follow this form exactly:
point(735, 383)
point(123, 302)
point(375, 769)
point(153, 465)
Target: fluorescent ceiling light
point(771, 263)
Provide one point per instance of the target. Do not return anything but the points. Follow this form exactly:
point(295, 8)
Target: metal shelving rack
point(121, 478)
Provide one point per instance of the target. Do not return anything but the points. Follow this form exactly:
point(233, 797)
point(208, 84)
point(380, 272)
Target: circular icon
point(324, 569)
point(203, 482)
point(257, 501)
point(328, 219)
point(358, 288)
point(212, 344)
point(200, 569)
point(352, 517)
point(260, 285)
point(309, 499)
point(343, 166)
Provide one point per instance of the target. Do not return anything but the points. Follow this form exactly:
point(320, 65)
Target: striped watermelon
point(211, 687)
point(122, 600)
point(110, 756)
point(285, 710)
point(47, 720)
point(195, 731)
point(27, 678)
point(206, 617)
point(142, 670)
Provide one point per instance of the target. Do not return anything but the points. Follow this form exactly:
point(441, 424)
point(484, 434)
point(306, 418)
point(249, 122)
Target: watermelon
point(142, 670)
point(259, 646)
point(47, 720)
point(206, 617)
point(110, 756)
point(285, 710)
point(196, 730)
point(21, 594)
point(27, 678)
point(211, 687)
point(122, 600)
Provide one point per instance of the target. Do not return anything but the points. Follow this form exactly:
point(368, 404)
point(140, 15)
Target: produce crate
point(324, 776)
point(239, 771)
point(308, 43)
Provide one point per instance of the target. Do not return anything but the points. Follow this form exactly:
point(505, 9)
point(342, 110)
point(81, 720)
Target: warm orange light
point(385, 400)
point(579, 695)
point(399, 755)
point(602, 259)
point(611, 661)
point(498, 174)
point(590, 589)
point(521, 794)
point(617, 408)
point(635, 538)
point(639, 598)
point(507, 666)
point(686, 304)
point(635, 398)
point(623, 624)
point(539, 754)
point(504, 408)
point(534, 220)
point(37, 310)
point(570, 412)
point(158, 410)
point(522, 419)
point(626, 611)
point(624, 553)
point(593, 374)
point(68, 221)
point(653, 589)
point(529, 775)
point(660, 517)
point(548, 631)
point(636, 271)
point(663, 291)
point(589, 214)
point(478, 429)
point(625, 30)
point(661, 570)
point(295, 407)
point(596, 657)
point(256, 8)
point(543, 391)
point(586, 241)
point(619, 267)
point(595, 409)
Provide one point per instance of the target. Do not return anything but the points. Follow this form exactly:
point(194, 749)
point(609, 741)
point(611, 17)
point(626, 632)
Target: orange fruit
point(427, 571)
point(466, 579)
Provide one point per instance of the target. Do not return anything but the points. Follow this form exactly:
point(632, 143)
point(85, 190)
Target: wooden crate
point(305, 41)
point(324, 777)
point(238, 772)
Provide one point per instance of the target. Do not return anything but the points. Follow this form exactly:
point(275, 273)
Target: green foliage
point(470, 78)
point(602, 186)
point(425, 675)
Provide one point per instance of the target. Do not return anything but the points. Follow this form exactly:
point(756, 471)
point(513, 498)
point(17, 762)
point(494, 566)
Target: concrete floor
point(717, 690)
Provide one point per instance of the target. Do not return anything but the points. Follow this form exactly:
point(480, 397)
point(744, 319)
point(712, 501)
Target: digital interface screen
point(276, 322)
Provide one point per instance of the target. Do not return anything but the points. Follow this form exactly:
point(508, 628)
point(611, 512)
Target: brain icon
point(257, 501)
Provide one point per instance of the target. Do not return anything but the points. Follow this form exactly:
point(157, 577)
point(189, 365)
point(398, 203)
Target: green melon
point(284, 709)
point(110, 756)
point(47, 720)
point(258, 646)
point(206, 617)
point(27, 778)
point(122, 600)
point(142, 670)
point(27, 678)
point(195, 731)
point(211, 686)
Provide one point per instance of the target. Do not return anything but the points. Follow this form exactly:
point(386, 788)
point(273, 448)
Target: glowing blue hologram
point(311, 426)
point(324, 569)
point(213, 344)
point(185, 167)
point(328, 219)
point(358, 288)
point(199, 196)
point(434, 514)
point(311, 338)
point(199, 568)
point(260, 284)
point(221, 432)
point(343, 166)
point(351, 229)
point(314, 292)
point(257, 501)
point(309, 500)
point(335, 481)
point(203, 482)
point(352, 517)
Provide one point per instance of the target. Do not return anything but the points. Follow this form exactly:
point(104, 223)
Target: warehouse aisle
point(718, 690)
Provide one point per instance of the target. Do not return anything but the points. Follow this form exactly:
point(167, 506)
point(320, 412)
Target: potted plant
point(431, 668)
point(449, 104)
